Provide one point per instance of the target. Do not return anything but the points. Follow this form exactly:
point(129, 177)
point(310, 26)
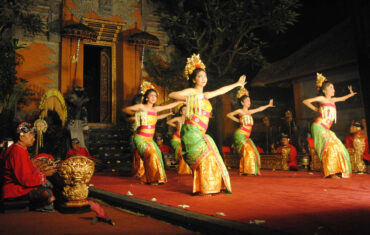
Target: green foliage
point(228, 34)
point(14, 15)
point(164, 74)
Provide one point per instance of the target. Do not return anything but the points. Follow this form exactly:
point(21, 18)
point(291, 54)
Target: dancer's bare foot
point(333, 177)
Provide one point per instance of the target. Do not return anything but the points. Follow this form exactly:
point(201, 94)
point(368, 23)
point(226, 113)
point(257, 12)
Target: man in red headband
point(292, 160)
point(22, 180)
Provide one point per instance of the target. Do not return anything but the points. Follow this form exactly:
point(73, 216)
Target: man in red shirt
point(166, 151)
point(77, 150)
point(22, 180)
point(292, 162)
point(357, 131)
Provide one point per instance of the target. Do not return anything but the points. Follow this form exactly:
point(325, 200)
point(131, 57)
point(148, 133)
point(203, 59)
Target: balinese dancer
point(209, 171)
point(145, 121)
point(138, 169)
point(250, 161)
point(334, 156)
point(177, 122)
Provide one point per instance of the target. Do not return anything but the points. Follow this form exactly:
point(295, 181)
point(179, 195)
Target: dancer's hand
point(49, 171)
point(241, 82)
point(351, 91)
point(271, 103)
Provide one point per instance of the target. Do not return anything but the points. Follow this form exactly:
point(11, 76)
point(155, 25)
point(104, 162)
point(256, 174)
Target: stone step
point(109, 136)
point(114, 142)
point(109, 145)
point(112, 146)
point(110, 150)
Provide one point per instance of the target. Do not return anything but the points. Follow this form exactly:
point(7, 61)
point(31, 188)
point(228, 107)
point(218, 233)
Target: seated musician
point(77, 150)
point(22, 178)
point(292, 161)
point(357, 142)
point(166, 150)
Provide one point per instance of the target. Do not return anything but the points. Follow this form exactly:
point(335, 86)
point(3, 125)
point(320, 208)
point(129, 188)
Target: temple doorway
point(97, 82)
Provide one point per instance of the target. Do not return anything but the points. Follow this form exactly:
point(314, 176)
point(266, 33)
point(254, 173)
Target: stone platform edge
point(193, 221)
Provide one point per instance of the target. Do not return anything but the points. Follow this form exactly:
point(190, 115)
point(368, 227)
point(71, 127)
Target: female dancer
point(145, 120)
point(177, 122)
point(209, 171)
point(138, 169)
point(334, 156)
point(250, 161)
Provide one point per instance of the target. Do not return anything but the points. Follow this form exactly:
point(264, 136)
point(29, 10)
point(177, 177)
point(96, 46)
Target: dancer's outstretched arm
point(232, 114)
point(164, 115)
point(261, 108)
point(344, 98)
point(241, 82)
point(167, 106)
point(172, 122)
point(181, 95)
point(131, 110)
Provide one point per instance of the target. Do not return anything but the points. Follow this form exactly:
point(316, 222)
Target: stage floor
point(293, 202)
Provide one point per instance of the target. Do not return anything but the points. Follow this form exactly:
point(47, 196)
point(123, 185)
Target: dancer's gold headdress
point(193, 63)
point(320, 79)
point(242, 91)
point(145, 85)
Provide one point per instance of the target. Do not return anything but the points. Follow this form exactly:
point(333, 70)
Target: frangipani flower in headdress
point(320, 79)
point(242, 91)
point(194, 62)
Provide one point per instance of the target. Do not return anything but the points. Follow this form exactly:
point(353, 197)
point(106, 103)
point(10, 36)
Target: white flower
point(129, 193)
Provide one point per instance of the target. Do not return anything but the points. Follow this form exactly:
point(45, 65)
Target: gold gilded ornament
point(53, 100)
point(193, 63)
point(41, 127)
point(285, 156)
point(359, 145)
point(76, 172)
point(320, 79)
point(242, 91)
point(266, 121)
point(145, 85)
point(288, 116)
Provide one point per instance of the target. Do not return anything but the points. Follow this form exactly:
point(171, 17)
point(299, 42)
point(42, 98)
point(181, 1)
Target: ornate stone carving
point(271, 161)
point(285, 156)
point(76, 172)
point(107, 9)
point(358, 164)
point(315, 164)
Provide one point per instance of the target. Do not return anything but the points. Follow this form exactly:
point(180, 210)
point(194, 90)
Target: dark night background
point(316, 17)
